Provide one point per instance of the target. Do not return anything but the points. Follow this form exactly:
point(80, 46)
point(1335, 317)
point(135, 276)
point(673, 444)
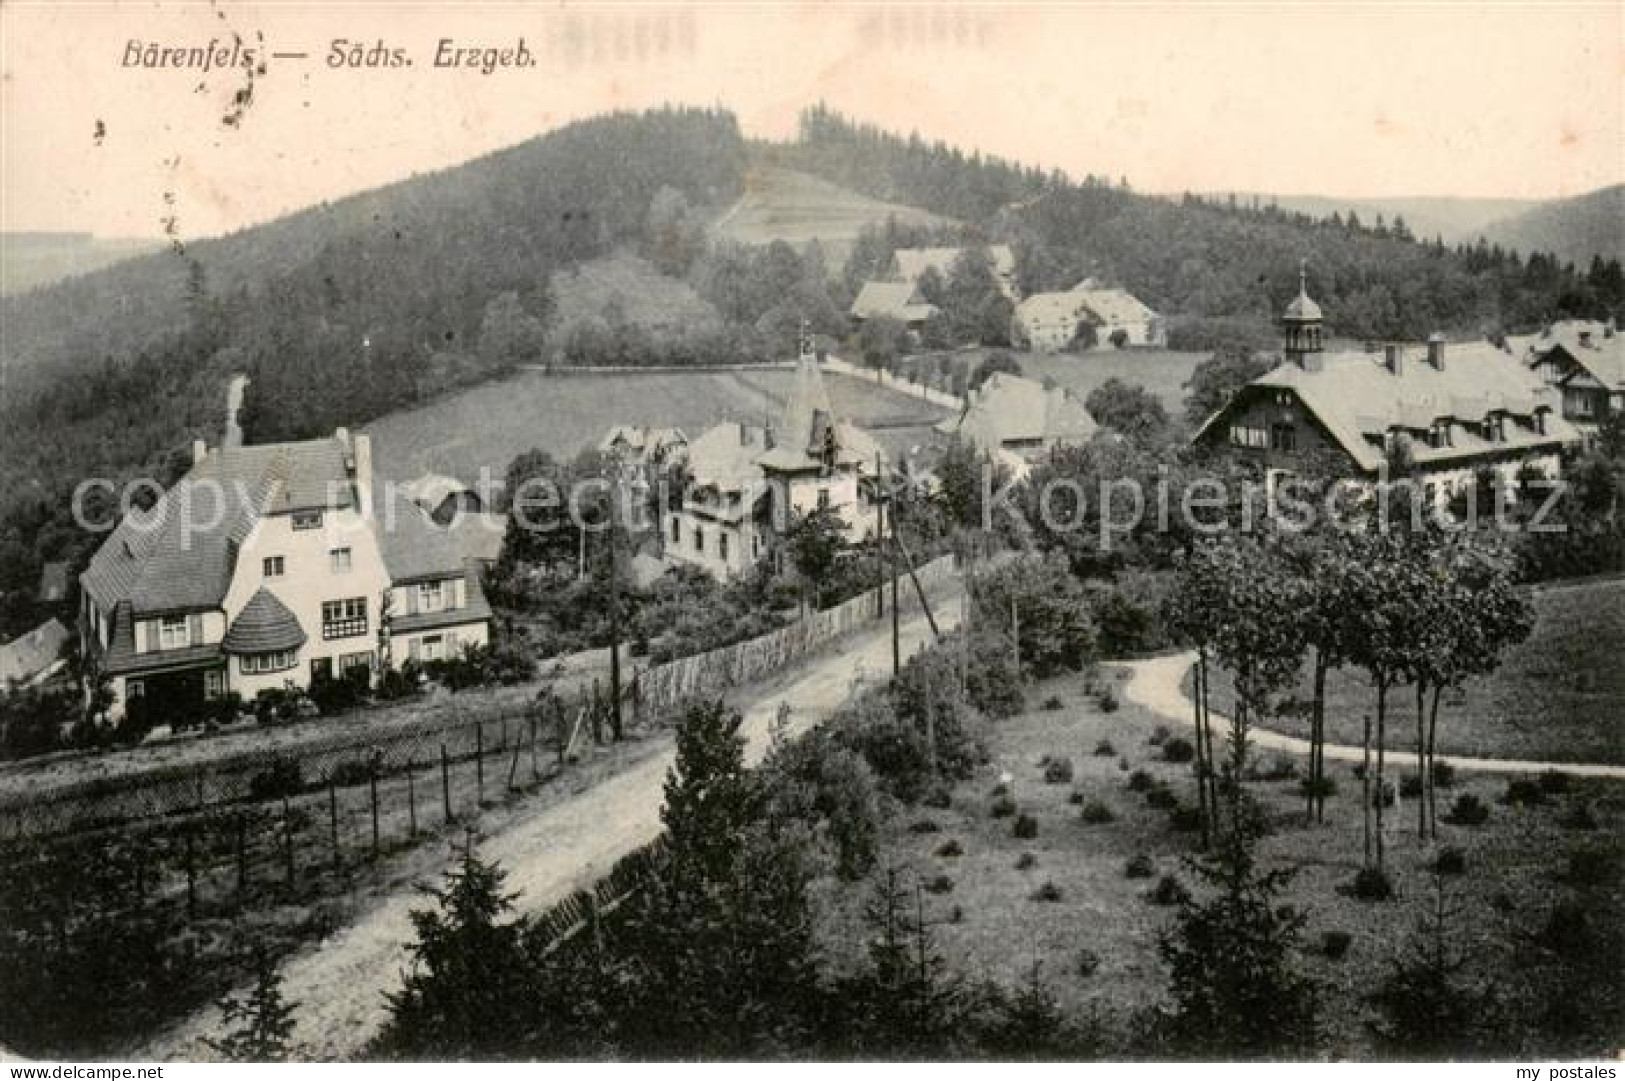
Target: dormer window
point(307, 519)
point(1440, 436)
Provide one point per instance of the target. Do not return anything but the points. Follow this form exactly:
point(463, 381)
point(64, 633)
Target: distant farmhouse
point(1018, 422)
point(748, 483)
point(1453, 410)
point(267, 567)
point(910, 264)
point(1051, 321)
point(892, 300)
point(897, 294)
point(1585, 361)
point(33, 658)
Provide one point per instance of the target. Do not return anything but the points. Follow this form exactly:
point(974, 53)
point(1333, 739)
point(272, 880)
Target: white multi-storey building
point(272, 566)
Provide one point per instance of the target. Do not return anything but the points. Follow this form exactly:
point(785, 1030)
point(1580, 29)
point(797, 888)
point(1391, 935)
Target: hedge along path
point(549, 855)
point(1157, 685)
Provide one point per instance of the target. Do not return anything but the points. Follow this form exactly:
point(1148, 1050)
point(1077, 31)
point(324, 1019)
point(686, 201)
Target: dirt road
point(340, 983)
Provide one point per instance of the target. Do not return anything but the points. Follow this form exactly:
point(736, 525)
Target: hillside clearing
point(781, 204)
point(565, 411)
point(633, 289)
point(1163, 372)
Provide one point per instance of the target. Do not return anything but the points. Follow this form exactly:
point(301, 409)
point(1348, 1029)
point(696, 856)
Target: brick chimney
point(1585, 339)
point(1393, 358)
point(363, 474)
point(200, 451)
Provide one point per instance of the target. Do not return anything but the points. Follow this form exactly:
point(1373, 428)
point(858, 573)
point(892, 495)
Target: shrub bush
point(1049, 892)
point(950, 849)
point(1141, 781)
point(1324, 787)
point(1184, 819)
point(1523, 792)
point(1075, 797)
point(1382, 795)
point(1578, 817)
point(957, 915)
point(1468, 810)
point(1169, 891)
point(939, 884)
point(1162, 798)
point(1139, 866)
point(1003, 807)
point(1410, 786)
point(1058, 771)
point(1372, 884)
point(924, 825)
point(1104, 749)
point(1088, 963)
point(1592, 866)
point(280, 777)
point(1053, 703)
point(939, 799)
point(1554, 782)
point(1334, 945)
point(1159, 735)
point(1026, 827)
point(1096, 813)
point(1178, 751)
point(1450, 861)
point(1444, 774)
point(1026, 861)
point(1107, 701)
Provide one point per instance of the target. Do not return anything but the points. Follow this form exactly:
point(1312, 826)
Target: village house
point(269, 567)
point(891, 300)
point(638, 445)
point(1019, 422)
point(1052, 321)
point(1585, 361)
point(33, 658)
point(1450, 410)
point(910, 264)
point(749, 483)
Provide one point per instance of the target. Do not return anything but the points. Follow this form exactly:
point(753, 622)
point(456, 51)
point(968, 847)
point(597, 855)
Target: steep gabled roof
point(1358, 399)
point(25, 657)
point(412, 544)
point(1010, 409)
point(893, 300)
point(180, 555)
point(1115, 305)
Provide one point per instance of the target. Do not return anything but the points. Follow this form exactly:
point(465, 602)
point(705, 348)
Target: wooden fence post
point(191, 872)
point(287, 842)
point(411, 799)
point(372, 791)
point(513, 760)
point(445, 782)
point(333, 822)
point(242, 858)
point(479, 762)
point(535, 769)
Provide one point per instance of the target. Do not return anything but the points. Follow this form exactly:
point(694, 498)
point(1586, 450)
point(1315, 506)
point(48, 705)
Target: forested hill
point(1583, 228)
point(1203, 260)
point(338, 313)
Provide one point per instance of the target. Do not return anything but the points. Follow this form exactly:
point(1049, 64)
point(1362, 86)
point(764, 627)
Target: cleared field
point(781, 204)
point(1161, 371)
point(644, 296)
point(989, 921)
point(565, 411)
point(1560, 696)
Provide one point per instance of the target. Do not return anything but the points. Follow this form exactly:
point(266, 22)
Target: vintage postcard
point(810, 531)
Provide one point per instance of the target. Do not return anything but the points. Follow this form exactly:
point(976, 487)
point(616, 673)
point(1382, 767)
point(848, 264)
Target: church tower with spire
point(1301, 325)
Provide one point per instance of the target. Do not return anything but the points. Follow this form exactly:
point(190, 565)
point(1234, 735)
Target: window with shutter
point(194, 629)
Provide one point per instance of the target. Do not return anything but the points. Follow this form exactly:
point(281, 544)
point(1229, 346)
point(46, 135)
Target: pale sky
point(1362, 100)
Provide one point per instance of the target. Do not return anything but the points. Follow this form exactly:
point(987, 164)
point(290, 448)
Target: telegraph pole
point(614, 618)
point(891, 566)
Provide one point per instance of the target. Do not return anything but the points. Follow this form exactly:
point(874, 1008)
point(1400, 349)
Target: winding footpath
point(340, 983)
point(1157, 685)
